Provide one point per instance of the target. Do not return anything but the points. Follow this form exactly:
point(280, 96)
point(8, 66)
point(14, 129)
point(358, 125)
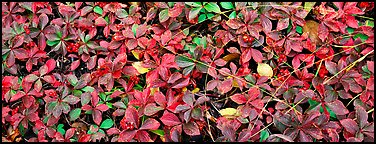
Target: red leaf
point(71, 99)
point(102, 107)
point(20, 53)
point(160, 99)
point(282, 24)
point(257, 55)
point(191, 128)
point(51, 64)
point(74, 65)
point(131, 115)
point(225, 86)
point(239, 98)
point(174, 77)
point(100, 21)
point(126, 136)
point(323, 32)
point(97, 116)
point(169, 119)
point(70, 132)
point(113, 131)
point(234, 23)
point(370, 66)
point(175, 133)
point(337, 107)
point(151, 109)
point(165, 37)
point(17, 96)
point(175, 11)
point(253, 93)
point(212, 84)
point(150, 124)
point(246, 56)
point(141, 30)
point(351, 21)
point(266, 24)
point(84, 138)
point(181, 83)
point(350, 125)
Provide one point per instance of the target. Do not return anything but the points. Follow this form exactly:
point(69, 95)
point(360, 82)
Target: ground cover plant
point(188, 71)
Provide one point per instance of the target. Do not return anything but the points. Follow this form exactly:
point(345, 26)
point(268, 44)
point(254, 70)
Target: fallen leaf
point(264, 70)
point(139, 68)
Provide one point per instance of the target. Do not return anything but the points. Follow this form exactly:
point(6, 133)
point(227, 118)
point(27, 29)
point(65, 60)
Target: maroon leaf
point(282, 24)
point(102, 107)
point(150, 124)
point(97, 116)
point(151, 109)
point(323, 32)
point(74, 65)
point(239, 98)
point(169, 119)
point(257, 55)
point(126, 136)
point(246, 55)
point(191, 128)
point(131, 115)
point(71, 99)
point(266, 24)
point(234, 23)
point(350, 125)
point(225, 86)
point(337, 107)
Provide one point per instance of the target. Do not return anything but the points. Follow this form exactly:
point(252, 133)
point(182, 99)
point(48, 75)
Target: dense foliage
point(187, 71)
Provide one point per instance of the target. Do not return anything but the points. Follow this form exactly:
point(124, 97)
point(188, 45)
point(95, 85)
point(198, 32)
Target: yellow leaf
point(195, 90)
point(153, 90)
point(139, 68)
point(264, 70)
point(136, 54)
point(229, 112)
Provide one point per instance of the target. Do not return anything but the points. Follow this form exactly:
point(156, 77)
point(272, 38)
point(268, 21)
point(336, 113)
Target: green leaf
point(201, 18)
point(106, 124)
point(369, 23)
point(183, 61)
point(264, 135)
point(109, 105)
point(158, 132)
point(188, 70)
point(134, 28)
point(308, 6)
point(72, 79)
point(52, 43)
point(194, 12)
point(74, 114)
point(363, 37)
point(108, 20)
point(203, 42)
point(289, 27)
point(88, 89)
point(350, 30)
point(194, 4)
point(171, 4)
point(163, 15)
point(59, 34)
point(102, 96)
point(77, 93)
point(60, 129)
point(87, 38)
point(98, 10)
point(227, 5)
point(21, 129)
point(212, 7)
point(232, 15)
point(196, 40)
point(299, 29)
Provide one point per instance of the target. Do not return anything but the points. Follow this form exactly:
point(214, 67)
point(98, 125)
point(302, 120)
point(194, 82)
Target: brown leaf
point(311, 27)
point(230, 57)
